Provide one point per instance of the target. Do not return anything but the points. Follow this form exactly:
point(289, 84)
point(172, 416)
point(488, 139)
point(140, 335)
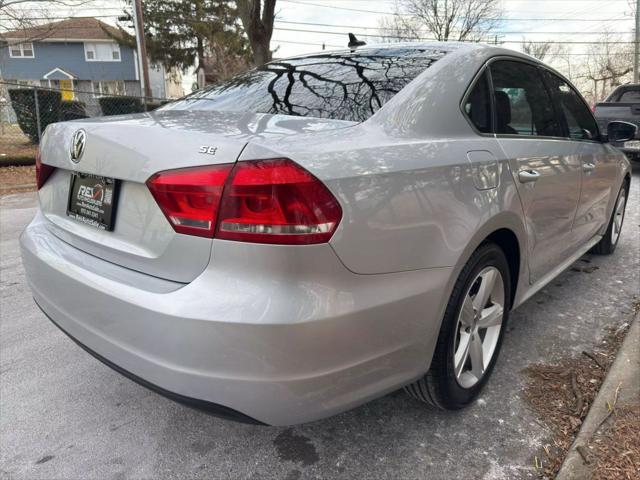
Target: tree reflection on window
point(343, 86)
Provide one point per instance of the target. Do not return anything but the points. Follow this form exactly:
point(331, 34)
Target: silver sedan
point(324, 229)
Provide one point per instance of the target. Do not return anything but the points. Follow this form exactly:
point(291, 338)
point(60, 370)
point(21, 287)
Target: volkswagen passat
point(324, 229)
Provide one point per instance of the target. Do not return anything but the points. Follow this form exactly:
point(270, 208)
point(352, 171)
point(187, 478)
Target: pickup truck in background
point(624, 105)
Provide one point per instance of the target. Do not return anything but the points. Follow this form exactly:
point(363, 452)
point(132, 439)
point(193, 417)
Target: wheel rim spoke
point(487, 282)
point(467, 313)
point(617, 218)
point(491, 316)
point(462, 352)
point(476, 356)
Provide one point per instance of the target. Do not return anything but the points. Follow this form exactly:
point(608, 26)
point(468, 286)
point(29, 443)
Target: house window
point(21, 50)
point(111, 87)
point(102, 52)
point(25, 83)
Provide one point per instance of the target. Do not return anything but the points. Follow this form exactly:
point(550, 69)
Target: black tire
point(439, 388)
point(607, 245)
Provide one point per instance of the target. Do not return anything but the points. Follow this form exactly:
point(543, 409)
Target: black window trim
point(560, 114)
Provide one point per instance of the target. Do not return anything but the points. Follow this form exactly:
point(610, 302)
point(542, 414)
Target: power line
point(498, 32)
point(308, 43)
point(326, 32)
point(351, 9)
point(398, 37)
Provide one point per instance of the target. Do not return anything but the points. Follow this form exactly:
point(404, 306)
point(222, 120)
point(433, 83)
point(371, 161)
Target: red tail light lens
point(189, 197)
point(43, 172)
point(276, 201)
point(262, 201)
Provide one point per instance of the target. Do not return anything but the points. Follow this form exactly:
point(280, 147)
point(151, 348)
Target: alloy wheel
point(618, 217)
point(478, 327)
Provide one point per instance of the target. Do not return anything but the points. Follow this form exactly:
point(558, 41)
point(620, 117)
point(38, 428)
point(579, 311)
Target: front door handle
point(588, 167)
point(527, 176)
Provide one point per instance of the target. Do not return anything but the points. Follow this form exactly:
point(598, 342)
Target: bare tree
point(544, 50)
point(609, 64)
point(257, 19)
point(399, 28)
point(462, 20)
point(221, 63)
point(539, 50)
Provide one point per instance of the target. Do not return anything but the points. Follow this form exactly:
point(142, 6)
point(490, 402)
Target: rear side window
point(580, 123)
point(342, 85)
point(630, 96)
point(523, 104)
point(478, 105)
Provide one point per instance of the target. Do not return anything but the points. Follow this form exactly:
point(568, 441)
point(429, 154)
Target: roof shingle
point(78, 28)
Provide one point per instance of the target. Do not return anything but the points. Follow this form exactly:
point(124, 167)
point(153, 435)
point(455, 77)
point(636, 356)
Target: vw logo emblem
point(77, 145)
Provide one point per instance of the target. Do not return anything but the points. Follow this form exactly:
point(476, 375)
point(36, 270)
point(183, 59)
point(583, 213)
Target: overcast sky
point(590, 19)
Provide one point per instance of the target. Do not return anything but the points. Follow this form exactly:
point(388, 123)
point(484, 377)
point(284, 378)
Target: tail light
point(189, 197)
point(264, 201)
point(43, 171)
point(276, 201)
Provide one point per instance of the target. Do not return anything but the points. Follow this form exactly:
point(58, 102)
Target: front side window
point(343, 86)
point(523, 104)
point(478, 105)
point(580, 123)
point(21, 50)
point(102, 52)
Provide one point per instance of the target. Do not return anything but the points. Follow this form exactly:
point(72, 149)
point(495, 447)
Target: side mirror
point(621, 131)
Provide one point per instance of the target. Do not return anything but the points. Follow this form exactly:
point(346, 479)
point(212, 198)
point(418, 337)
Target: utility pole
point(143, 62)
point(636, 53)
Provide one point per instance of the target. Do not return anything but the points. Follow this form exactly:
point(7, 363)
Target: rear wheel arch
point(508, 242)
point(508, 232)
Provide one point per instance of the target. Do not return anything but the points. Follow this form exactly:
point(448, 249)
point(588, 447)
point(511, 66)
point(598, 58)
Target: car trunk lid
point(131, 149)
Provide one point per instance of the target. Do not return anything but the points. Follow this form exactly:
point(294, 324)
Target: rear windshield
point(342, 86)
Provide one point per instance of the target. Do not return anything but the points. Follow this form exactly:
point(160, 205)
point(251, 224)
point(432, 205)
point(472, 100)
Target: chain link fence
point(25, 112)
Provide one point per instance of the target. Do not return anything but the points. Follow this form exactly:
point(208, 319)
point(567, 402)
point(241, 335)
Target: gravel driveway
point(65, 415)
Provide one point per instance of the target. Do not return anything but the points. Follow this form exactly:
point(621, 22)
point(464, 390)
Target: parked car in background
point(623, 104)
point(324, 229)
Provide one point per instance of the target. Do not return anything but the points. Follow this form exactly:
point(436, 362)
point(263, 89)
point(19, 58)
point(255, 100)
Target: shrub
point(120, 105)
point(72, 110)
point(153, 105)
point(23, 103)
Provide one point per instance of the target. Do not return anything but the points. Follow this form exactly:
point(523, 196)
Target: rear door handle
point(588, 167)
point(527, 176)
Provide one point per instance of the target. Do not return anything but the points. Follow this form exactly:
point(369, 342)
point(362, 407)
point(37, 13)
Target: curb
point(624, 374)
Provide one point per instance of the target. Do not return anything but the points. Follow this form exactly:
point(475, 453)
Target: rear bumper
point(282, 335)
point(212, 408)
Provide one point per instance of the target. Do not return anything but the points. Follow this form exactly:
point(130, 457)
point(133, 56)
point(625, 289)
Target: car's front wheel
point(471, 332)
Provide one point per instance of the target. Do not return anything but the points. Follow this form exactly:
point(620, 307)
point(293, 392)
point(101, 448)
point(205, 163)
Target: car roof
point(409, 48)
